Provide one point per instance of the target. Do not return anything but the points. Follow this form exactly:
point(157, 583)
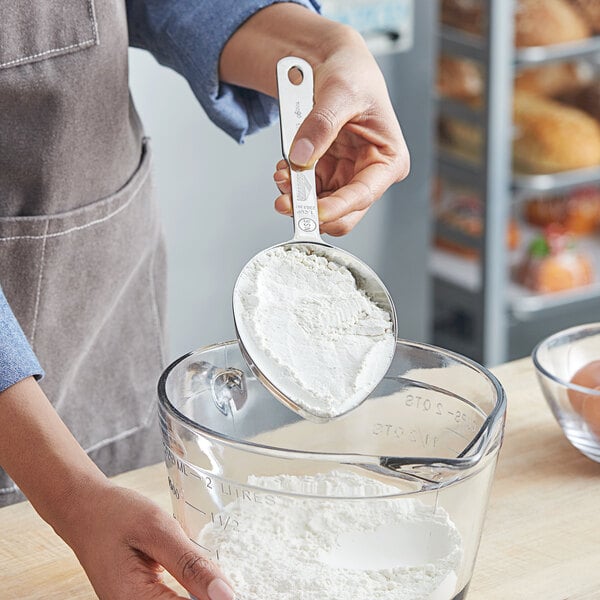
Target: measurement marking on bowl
point(195, 508)
point(207, 550)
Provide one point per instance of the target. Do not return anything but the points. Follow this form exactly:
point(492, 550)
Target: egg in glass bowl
point(567, 365)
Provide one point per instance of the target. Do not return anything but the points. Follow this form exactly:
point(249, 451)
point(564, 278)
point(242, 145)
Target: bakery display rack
point(473, 46)
point(478, 309)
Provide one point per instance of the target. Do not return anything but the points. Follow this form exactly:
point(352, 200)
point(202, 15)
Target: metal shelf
point(459, 110)
point(482, 286)
point(522, 303)
point(556, 181)
point(459, 169)
point(453, 234)
point(525, 306)
point(468, 45)
point(463, 169)
point(537, 55)
point(462, 272)
point(458, 42)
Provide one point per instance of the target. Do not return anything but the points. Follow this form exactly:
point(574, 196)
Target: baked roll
point(552, 137)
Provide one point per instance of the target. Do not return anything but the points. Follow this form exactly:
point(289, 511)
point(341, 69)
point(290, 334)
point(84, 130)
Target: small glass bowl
point(576, 408)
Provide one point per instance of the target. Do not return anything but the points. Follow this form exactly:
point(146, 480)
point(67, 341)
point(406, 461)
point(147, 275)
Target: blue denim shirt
point(188, 36)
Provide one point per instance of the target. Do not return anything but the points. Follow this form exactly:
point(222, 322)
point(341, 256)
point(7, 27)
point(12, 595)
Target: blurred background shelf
point(461, 43)
point(522, 304)
point(459, 110)
point(479, 309)
point(538, 55)
point(474, 47)
point(556, 181)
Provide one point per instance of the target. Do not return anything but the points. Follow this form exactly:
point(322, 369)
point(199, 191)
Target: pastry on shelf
point(459, 79)
point(551, 137)
point(460, 138)
point(546, 22)
point(537, 22)
point(585, 97)
point(590, 9)
point(551, 79)
point(553, 263)
point(464, 213)
point(577, 211)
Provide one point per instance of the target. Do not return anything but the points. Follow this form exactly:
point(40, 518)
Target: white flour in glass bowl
point(284, 545)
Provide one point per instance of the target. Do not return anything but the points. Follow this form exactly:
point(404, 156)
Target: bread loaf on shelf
point(590, 9)
point(537, 22)
point(461, 138)
point(551, 137)
point(550, 80)
point(459, 79)
point(586, 98)
point(545, 22)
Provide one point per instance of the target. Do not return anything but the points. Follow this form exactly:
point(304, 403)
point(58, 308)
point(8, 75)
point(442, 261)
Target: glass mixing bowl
point(385, 502)
point(576, 408)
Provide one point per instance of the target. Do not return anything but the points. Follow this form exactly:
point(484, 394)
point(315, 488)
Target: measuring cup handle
point(295, 102)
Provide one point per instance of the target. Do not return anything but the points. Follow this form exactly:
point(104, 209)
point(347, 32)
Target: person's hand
point(352, 132)
point(124, 542)
point(353, 129)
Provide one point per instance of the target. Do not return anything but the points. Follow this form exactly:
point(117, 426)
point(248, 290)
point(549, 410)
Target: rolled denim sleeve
point(17, 360)
point(188, 36)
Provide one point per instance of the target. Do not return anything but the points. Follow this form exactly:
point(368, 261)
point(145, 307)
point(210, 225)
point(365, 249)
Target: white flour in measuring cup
point(290, 547)
point(309, 316)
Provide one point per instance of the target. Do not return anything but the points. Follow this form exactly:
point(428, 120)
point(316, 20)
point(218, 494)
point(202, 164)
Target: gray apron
point(81, 251)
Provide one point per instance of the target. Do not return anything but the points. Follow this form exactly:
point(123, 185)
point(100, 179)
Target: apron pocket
point(88, 288)
point(32, 30)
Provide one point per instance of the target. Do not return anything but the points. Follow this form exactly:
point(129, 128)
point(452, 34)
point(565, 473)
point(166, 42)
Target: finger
point(282, 165)
point(184, 560)
point(283, 205)
point(344, 225)
point(331, 111)
point(358, 195)
point(282, 181)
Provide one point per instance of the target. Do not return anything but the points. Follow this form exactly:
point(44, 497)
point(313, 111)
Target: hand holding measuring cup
point(316, 325)
point(354, 135)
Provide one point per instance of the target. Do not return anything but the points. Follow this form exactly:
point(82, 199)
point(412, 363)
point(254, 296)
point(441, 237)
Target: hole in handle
point(295, 75)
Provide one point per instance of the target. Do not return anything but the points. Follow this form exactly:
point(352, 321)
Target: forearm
point(251, 54)
point(39, 452)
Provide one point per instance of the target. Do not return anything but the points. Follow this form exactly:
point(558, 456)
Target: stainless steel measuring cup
point(417, 458)
point(295, 102)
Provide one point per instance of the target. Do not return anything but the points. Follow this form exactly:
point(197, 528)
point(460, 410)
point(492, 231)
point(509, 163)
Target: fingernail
point(302, 152)
point(219, 590)
point(280, 181)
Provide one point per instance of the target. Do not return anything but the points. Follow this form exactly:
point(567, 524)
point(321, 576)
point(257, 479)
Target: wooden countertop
point(541, 539)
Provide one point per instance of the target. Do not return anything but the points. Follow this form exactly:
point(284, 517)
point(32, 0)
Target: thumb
point(320, 128)
point(183, 559)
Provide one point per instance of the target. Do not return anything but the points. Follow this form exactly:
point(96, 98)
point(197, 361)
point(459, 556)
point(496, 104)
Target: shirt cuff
point(189, 37)
point(17, 359)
